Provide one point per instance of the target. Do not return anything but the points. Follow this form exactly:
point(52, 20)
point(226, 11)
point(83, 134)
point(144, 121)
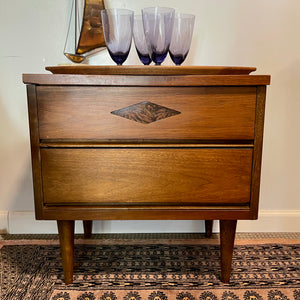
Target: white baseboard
point(272, 221)
point(3, 221)
point(21, 222)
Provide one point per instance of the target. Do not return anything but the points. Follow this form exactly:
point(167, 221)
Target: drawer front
point(153, 113)
point(192, 176)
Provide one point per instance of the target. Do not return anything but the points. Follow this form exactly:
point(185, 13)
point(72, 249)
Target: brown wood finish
point(172, 145)
point(227, 234)
point(205, 113)
point(133, 80)
point(66, 239)
point(121, 176)
point(258, 144)
point(35, 150)
point(150, 70)
point(87, 227)
point(208, 228)
point(115, 212)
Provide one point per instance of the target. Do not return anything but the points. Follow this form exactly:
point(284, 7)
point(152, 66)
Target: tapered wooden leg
point(66, 239)
point(208, 228)
point(87, 227)
point(227, 235)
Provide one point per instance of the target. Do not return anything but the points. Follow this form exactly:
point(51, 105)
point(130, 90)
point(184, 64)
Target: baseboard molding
point(272, 221)
point(21, 222)
point(3, 221)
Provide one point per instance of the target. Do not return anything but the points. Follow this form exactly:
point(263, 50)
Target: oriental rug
point(150, 269)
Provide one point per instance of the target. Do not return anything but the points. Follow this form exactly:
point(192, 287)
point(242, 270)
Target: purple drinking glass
point(117, 28)
point(140, 40)
point(181, 37)
point(158, 26)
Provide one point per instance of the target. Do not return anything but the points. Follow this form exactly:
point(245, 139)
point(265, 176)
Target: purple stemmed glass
point(181, 37)
point(117, 28)
point(158, 26)
point(140, 40)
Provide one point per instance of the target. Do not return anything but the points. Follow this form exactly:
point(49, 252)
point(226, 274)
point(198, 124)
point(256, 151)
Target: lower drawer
point(152, 176)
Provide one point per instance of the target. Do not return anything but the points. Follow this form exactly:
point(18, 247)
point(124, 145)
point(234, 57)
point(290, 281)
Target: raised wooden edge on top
point(135, 80)
point(149, 70)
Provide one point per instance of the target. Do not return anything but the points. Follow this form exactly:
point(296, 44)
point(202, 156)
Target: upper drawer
point(184, 113)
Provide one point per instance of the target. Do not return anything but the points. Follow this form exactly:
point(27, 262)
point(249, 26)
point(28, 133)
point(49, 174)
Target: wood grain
point(66, 239)
point(227, 235)
point(147, 212)
point(206, 113)
point(258, 147)
point(135, 80)
point(202, 163)
point(87, 228)
point(121, 176)
point(35, 150)
point(150, 70)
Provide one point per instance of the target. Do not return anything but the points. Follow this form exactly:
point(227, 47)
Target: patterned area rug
point(147, 270)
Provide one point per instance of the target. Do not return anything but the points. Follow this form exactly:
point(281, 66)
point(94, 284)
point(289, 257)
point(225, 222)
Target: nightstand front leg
point(227, 235)
point(66, 239)
point(87, 227)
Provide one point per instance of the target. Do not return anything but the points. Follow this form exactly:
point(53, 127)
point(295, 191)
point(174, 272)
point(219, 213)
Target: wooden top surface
point(149, 70)
point(147, 76)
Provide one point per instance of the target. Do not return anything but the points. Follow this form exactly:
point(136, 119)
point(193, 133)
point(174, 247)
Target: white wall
point(260, 33)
